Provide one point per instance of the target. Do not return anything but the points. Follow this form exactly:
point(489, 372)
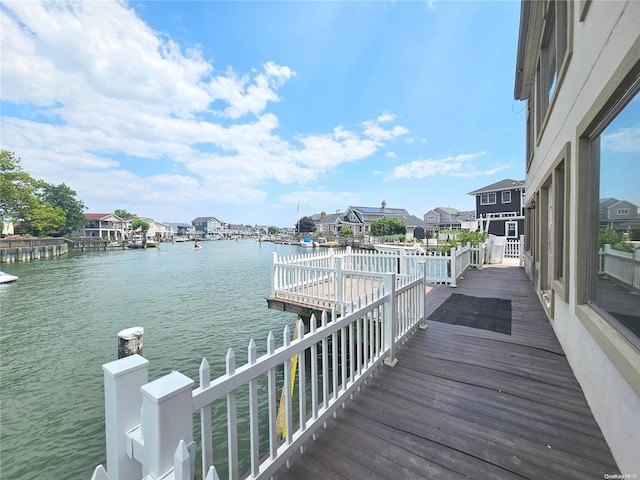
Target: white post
point(423, 296)
point(274, 280)
point(122, 400)
point(452, 260)
point(167, 418)
point(521, 251)
point(339, 283)
point(390, 319)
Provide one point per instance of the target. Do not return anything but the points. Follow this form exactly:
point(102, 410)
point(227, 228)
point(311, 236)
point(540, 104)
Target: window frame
point(618, 349)
point(557, 36)
point(503, 195)
point(488, 195)
point(506, 228)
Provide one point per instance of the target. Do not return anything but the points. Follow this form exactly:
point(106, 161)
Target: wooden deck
point(467, 403)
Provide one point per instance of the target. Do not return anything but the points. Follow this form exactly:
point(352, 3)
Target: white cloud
point(625, 140)
point(458, 166)
point(111, 103)
point(390, 155)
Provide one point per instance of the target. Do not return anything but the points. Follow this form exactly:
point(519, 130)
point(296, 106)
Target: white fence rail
point(513, 247)
point(623, 266)
point(324, 279)
point(146, 421)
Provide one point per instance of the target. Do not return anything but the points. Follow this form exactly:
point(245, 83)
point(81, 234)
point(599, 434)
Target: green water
point(58, 326)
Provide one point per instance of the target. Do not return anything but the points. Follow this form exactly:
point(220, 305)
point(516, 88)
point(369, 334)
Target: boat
point(212, 236)
point(306, 242)
point(320, 242)
point(6, 278)
point(151, 242)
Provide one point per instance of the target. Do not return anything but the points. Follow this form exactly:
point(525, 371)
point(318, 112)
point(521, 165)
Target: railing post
point(521, 251)
point(167, 418)
point(339, 283)
point(423, 296)
point(452, 261)
point(274, 280)
point(122, 400)
point(390, 319)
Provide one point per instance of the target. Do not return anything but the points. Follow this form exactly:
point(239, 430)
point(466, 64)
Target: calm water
point(58, 325)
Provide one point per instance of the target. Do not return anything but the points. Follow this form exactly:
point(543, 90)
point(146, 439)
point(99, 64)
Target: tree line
point(34, 206)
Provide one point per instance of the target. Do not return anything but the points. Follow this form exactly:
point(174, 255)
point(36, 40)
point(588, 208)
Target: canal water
point(59, 325)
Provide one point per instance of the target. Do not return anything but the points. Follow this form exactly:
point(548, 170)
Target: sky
point(263, 112)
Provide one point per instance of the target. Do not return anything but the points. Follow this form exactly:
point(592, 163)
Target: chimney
point(323, 215)
point(384, 204)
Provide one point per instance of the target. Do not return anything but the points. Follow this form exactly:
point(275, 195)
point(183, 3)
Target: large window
point(488, 199)
point(614, 150)
point(553, 53)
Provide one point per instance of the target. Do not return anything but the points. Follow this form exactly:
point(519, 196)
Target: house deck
point(467, 403)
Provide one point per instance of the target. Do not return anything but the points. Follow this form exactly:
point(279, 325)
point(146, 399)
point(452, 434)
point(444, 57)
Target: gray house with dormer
point(500, 208)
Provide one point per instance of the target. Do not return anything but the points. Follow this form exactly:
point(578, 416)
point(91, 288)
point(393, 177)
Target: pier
point(27, 249)
point(377, 394)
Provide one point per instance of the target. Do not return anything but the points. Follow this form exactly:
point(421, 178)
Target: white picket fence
point(149, 425)
point(623, 266)
point(325, 279)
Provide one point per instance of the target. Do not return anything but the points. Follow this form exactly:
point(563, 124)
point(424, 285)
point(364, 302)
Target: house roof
point(204, 219)
point(98, 216)
point(506, 184)
point(607, 202)
point(381, 211)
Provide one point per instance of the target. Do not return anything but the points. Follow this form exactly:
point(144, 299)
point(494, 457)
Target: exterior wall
point(604, 53)
point(512, 206)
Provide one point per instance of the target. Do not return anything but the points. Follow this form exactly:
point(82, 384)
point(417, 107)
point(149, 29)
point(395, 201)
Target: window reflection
point(617, 287)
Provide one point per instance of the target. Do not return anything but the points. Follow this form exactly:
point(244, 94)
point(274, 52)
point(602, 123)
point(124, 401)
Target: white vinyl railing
point(512, 248)
point(147, 421)
point(623, 266)
point(327, 280)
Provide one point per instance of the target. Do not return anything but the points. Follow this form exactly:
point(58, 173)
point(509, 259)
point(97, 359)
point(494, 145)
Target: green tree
point(306, 225)
point(44, 218)
point(385, 227)
point(65, 198)
point(608, 236)
point(17, 188)
point(346, 232)
point(123, 213)
point(137, 223)
point(273, 230)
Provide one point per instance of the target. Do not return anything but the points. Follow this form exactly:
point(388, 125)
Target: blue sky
point(245, 110)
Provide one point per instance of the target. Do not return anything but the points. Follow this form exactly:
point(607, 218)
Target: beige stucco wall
point(605, 47)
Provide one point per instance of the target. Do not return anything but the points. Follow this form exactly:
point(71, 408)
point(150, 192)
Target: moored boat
point(6, 278)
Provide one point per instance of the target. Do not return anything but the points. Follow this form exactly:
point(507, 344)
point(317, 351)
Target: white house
point(578, 70)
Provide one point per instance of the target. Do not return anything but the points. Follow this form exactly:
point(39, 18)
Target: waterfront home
point(208, 226)
point(359, 219)
point(447, 218)
point(326, 224)
point(578, 70)
point(103, 225)
point(500, 208)
point(157, 230)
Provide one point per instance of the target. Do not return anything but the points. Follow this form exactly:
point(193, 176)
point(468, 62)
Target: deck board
point(467, 403)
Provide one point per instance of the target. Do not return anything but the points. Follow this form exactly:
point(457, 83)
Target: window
point(488, 199)
point(511, 229)
point(553, 53)
point(431, 217)
point(615, 266)
point(561, 186)
point(506, 197)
